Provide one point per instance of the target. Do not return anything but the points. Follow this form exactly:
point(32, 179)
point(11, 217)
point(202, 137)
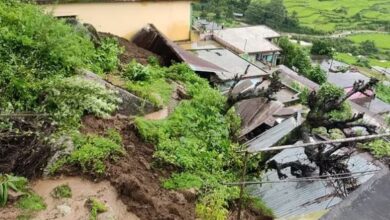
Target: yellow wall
point(127, 18)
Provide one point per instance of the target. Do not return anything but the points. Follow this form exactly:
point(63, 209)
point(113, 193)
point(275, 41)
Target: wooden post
point(242, 185)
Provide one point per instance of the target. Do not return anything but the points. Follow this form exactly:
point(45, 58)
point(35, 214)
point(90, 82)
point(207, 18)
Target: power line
point(313, 178)
point(313, 144)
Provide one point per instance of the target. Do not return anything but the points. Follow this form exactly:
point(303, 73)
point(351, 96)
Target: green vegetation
point(96, 207)
point(195, 138)
point(148, 82)
point(364, 62)
point(38, 55)
point(272, 14)
point(323, 48)
point(220, 11)
point(380, 148)
point(7, 182)
point(329, 91)
point(62, 191)
point(30, 204)
point(383, 92)
point(329, 16)
point(295, 57)
point(382, 41)
point(91, 151)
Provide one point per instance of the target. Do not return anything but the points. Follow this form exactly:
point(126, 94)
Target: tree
point(318, 75)
point(368, 47)
point(328, 109)
point(254, 92)
point(321, 47)
point(296, 58)
point(273, 14)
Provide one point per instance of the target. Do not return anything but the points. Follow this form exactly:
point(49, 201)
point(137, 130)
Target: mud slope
point(135, 179)
point(131, 51)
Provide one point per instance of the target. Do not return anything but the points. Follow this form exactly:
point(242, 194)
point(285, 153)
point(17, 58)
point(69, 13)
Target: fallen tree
point(328, 109)
point(24, 149)
point(258, 90)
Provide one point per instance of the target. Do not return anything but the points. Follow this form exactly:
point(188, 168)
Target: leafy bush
point(31, 203)
point(106, 56)
point(38, 53)
point(321, 47)
point(7, 182)
point(91, 151)
point(296, 57)
point(96, 207)
point(383, 92)
point(148, 82)
point(62, 191)
point(67, 99)
point(380, 148)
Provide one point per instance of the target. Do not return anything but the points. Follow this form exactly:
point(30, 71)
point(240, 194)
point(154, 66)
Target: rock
point(64, 209)
point(179, 198)
point(145, 163)
point(131, 104)
point(107, 216)
point(62, 146)
point(13, 196)
point(189, 194)
point(182, 92)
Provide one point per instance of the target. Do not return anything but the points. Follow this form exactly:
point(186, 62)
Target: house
point(126, 17)
point(256, 42)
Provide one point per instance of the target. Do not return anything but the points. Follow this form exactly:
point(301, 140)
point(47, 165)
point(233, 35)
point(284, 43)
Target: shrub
point(379, 148)
point(96, 207)
point(7, 182)
point(31, 203)
point(148, 82)
point(383, 92)
point(38, 53)
point(91, 151)
point(68, 99)
point(106, 56)
point(62, 191)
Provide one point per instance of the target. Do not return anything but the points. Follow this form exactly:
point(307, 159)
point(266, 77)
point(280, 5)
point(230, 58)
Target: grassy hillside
point(382, 41)
point(335, 15)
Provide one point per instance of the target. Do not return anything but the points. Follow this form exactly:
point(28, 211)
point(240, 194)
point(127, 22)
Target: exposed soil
point(74, 208)
point(9, 212)
point(135, 178)
point(131, 51)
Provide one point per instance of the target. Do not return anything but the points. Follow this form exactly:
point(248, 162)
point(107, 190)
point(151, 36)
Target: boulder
point(131, 104)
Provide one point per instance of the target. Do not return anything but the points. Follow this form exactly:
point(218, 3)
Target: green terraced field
point(332, 15)
point(347, 58)
point(382, 41)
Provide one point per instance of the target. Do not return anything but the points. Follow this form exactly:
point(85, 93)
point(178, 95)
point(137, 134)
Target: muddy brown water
point(82, 189)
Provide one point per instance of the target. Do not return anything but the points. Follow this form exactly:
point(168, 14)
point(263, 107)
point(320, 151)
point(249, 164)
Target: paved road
point(369, 202)
point(339, 34)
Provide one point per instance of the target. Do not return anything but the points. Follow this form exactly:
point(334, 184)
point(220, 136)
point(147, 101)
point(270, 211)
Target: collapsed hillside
point(55, 120)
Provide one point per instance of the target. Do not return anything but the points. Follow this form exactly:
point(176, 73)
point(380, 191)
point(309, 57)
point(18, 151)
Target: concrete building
point(255, 42)
point(126, 17)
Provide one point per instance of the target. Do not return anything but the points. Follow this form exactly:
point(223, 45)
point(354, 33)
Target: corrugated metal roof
point(248, 39)
point(255, 112)
point(231, 62)
point(289, 76)
point(273, 135)
point(295, 198)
